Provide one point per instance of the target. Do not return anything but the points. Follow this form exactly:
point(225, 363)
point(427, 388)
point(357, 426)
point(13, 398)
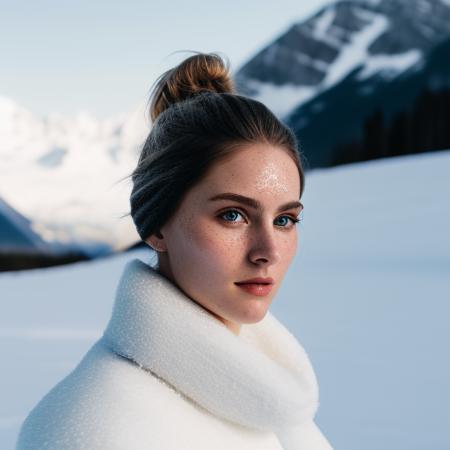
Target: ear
point(157, 242)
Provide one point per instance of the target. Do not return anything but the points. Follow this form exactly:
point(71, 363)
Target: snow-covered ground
point(367, 295)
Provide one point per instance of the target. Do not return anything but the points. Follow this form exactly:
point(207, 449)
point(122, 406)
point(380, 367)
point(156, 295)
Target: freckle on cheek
point(238, 240)
point(187, 236)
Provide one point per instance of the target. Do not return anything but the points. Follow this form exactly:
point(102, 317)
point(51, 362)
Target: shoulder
point(105, 402)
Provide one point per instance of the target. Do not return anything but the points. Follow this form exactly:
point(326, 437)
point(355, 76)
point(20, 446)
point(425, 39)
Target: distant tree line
point(22, 261)
point(17, 260)
point(425, 127)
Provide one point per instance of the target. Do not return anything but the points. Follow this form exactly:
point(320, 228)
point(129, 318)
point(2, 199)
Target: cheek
point(288, 247)
point(221, 246)
point(208, 245)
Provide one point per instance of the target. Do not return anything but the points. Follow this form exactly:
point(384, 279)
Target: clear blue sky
point(102, 56)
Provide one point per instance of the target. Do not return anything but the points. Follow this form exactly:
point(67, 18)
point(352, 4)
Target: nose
point(264, 247)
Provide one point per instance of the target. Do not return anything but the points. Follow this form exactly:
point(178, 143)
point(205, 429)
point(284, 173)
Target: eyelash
point(294, 220)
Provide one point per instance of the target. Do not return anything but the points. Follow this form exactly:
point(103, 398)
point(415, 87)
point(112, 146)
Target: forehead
point(255, 169)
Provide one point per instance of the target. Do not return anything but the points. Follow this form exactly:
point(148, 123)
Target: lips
point(258, 280)
point(255, 288)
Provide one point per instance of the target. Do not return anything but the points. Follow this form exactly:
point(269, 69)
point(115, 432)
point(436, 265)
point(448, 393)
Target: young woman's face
point(211, 243)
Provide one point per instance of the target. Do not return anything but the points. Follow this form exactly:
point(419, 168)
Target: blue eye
point(231, 212)
point(231, 216)
point(293, 221)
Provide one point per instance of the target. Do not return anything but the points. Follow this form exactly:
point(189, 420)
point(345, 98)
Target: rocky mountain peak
point(387, 36)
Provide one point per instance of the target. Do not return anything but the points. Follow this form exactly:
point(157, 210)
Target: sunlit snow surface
point(367, 295)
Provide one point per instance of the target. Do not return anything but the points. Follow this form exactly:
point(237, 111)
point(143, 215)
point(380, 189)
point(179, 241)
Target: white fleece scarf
point(261, 379)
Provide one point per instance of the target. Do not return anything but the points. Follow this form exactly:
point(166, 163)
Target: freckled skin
point(204, 254)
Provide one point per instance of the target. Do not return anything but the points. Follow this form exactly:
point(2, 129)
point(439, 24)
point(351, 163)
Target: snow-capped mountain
point(384, 36)
point(350, 45)
point(359, 120)
point(64, 174)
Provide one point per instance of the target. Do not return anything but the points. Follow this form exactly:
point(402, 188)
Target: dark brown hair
point(198, 119)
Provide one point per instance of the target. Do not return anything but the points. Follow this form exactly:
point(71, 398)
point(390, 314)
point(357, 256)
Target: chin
point(253, 316)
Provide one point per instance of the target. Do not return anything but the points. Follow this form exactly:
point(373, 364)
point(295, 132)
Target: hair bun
point(202, 72)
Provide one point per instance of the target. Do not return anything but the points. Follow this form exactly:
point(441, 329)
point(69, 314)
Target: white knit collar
point(261, 379)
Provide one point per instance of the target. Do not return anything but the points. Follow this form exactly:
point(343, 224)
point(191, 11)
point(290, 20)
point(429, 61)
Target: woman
point(192, 358)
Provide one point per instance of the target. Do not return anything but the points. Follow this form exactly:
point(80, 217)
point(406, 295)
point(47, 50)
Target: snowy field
point(367, 295)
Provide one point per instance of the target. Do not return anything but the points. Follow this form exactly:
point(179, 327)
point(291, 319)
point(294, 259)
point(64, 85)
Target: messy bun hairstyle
point(198, 119)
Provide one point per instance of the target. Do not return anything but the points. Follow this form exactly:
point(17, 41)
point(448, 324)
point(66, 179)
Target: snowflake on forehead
point(269, 178)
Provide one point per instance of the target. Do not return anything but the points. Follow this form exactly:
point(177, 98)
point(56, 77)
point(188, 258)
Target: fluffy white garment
point(259, 386)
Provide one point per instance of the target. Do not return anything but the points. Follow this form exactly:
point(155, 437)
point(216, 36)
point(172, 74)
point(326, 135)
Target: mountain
point(22, 248)
point(64, 174)
point(410, 114)
point(16, 232)
point(332, 76)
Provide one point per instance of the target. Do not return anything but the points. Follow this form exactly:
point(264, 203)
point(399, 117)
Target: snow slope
point(367, 295)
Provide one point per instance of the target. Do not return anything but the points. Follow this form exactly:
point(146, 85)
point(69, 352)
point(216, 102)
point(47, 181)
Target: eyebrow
point(252, 202)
